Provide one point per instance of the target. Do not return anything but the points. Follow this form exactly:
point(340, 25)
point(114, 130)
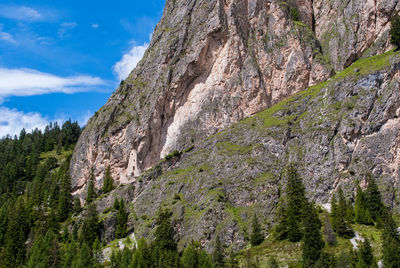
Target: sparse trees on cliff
point(395, 32)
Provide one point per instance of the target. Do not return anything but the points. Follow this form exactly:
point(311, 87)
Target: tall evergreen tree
point(218, 254)
point(281, 228)
point(365, 256)
point(256, 237)
point(312, 244)
point(295, 200)
point(90, 226)
point(373, 199)
point(338, 216)
point(91, 191)
point(390, 240)
point(108, 183)
point(362, 214)
point(122, 220)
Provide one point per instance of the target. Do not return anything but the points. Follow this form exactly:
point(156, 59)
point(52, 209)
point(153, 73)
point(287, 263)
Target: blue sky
point(63, 59)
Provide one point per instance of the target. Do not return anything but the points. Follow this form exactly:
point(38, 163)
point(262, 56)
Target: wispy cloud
point(95, 25)
point(65, 28)
point(13, 121)
point(27, 82)
point(129, 61)
point(21, 13)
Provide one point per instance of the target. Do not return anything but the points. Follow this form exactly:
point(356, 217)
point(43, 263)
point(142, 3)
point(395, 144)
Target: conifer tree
point(373, 199)
point(365, 257)
point(91, 192)
point(193, 256)
point(390, 240)
point(90, 226)
point(218, 254)
point(108, 184)
point(69, 255)
point(362, 214)
point(338, 216)
point(312, 240)
point(164, 246)
point(330, 236)
point(281, 228)
point(256, 236)
point(97, 252)
point(122, 219)
point(295, 201)
point(140, 257)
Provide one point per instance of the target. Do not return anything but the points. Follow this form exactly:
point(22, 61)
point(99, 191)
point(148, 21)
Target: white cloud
point(7, 37)
point(129, 61)
point(22, 13)
point(27, 82)
point(95, 25)
point(13, 121)
point(65, 28)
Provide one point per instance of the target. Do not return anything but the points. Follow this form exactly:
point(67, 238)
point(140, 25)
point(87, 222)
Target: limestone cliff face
point(338, 132)
point(212, 63)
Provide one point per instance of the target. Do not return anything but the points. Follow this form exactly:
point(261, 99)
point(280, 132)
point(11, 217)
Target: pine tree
point(141, 257)
point(256, 236)
point(362, 214)
point(281, 228)
point(365, 257)
point(97, 252)
point(326, 260)
point(295, 201)
point(390, 240)
point(218, 254)
point(91, 192)
point(193, 256)
point(338, 216)
point(312, 240)
point(373, 199)
point(122, 219)
point(108, 184)
point(69, 255)
point(90, 226)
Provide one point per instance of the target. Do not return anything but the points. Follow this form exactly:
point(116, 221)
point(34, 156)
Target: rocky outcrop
point(337, 133)
point(348, 30)
point(210, 64)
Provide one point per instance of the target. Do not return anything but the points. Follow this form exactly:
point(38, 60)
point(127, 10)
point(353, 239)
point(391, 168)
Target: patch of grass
point(233, 149)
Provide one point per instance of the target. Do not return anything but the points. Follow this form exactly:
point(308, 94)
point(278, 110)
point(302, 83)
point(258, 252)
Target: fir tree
point(108, 184)
point(91, 192)
point(193, 256)
point(338, 216)
point(90, 226)
point(312, 241)
point(390, 240)
point(256, 237)
point(69, 255)
point(218, 254)
point(295, 200)
point(97, 252)
point(365, 257)
point(281, 228)
point(122, 219)
point(373, 199)
point(362, 214)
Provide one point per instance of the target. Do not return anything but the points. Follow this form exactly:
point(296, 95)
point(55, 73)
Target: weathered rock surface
point(337, 132)
point(210, 64)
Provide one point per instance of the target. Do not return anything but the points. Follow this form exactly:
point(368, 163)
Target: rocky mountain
point(213, 63)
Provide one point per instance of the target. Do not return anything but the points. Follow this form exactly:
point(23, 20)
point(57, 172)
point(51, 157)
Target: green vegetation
point(395, 32)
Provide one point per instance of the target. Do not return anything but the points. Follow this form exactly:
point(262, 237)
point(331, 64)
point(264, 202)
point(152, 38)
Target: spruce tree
point(272, 263)
point(91, 192)
point(390, 240)
point(365, 257)
point(90, 226)
point(330, 236)
point(256, 237)
point(373, 199)
point(338, 216)
point(218, 254)
point(295, 199)
point(362, 214)
point(122, 219)
point(193, 256)
point(108, 184)
point(281, 228)
point(312, 244)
